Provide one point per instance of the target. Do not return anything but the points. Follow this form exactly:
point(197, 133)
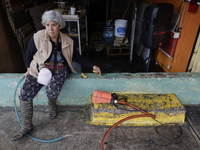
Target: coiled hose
point(16, 111)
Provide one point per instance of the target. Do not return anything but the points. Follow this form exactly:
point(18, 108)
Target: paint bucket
point(120, 27)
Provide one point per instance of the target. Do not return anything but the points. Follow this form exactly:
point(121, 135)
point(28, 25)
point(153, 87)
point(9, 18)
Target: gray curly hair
point(52, 15)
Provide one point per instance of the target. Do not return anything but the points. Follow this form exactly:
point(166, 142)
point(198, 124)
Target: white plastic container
point(72, 10)
point(120, 27)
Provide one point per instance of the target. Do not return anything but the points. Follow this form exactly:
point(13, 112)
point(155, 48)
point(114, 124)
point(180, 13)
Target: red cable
point(125, 119)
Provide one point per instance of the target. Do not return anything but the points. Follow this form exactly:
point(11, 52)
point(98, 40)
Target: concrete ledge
point(78, 90)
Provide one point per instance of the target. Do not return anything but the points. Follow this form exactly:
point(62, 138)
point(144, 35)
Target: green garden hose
point(36, 139)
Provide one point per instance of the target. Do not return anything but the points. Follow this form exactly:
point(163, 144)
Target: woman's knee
point(29, 89)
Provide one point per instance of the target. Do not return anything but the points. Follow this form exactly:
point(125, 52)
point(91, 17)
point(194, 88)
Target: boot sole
point(21, 137)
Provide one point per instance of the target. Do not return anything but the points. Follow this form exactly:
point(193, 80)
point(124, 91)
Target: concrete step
point(166, 107)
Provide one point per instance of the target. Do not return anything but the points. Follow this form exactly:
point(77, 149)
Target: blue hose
point(36, 139)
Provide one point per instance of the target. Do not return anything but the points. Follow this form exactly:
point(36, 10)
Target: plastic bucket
point(120, 27)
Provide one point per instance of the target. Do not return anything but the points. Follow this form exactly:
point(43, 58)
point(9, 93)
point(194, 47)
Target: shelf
point(77, 33)
point(70, 17)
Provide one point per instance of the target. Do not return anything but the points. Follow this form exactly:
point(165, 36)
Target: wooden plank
point(23, 27)
point(26, 40)
point(194, 54)
point(26, 32)
point(19, 30)
point(23, 34)
point(196, 66)
point(192, 62)
point(197, 44)
point(10, 21)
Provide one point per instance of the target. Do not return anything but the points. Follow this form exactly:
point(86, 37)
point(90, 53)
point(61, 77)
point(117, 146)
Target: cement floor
point(84, 136)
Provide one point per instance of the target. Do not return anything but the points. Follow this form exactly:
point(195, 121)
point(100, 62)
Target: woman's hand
point(26, 73)
point(97, 69)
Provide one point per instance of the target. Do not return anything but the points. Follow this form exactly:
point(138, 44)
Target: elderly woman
point(48, 60)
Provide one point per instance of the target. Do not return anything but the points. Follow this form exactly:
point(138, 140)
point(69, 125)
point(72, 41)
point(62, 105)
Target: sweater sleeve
point(81, 60)
point(31, 50)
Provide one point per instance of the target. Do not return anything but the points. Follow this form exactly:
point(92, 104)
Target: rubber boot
point(26, 120)
point(52, 108)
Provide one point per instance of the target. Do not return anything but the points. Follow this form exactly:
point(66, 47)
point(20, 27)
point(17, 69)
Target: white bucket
point(120, 27)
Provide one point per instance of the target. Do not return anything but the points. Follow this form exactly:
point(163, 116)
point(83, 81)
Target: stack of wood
point(19, 19)
point(22, 21)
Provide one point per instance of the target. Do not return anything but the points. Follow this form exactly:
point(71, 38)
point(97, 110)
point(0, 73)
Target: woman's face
point(52, 28)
